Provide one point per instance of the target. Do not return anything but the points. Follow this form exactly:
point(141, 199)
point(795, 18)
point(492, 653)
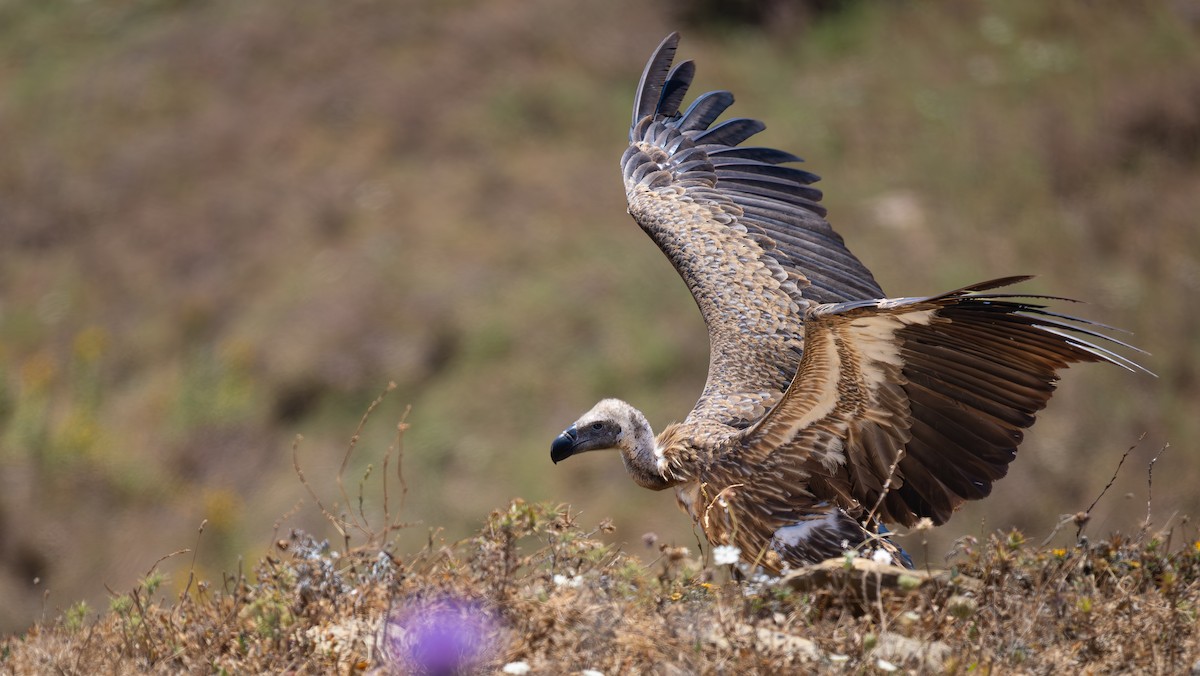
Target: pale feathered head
point(610, 424)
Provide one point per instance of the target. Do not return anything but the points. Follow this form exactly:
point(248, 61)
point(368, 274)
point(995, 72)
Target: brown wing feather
point(746, 233)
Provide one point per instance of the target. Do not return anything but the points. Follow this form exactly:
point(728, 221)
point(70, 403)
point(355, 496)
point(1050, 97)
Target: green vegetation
point(226, 223)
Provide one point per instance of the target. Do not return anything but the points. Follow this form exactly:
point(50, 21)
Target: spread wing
point(744, 230)
point(951, 381)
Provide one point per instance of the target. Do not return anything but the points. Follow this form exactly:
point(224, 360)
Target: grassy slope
point(223, 224)
point(534, 588)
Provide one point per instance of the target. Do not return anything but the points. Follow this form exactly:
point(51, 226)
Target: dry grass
point(535, 587)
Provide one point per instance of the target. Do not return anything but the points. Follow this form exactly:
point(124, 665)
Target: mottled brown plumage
point(828, 409)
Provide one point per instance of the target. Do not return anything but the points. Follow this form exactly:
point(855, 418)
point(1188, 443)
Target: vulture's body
point(829, 409)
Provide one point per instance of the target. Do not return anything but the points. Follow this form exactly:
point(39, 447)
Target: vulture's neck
point(642, 457)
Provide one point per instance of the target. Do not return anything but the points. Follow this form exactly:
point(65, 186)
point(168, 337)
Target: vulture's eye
point(597, 426)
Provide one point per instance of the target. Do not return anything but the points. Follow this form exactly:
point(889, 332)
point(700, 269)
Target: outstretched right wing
point(918, 404)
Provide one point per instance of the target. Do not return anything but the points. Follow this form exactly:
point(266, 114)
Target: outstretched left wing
point(746, 233)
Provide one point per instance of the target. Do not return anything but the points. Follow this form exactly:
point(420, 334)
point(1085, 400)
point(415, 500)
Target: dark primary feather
point(705, 109)
point(766, 155)
point(729, 133)
point(676, 86)
point(649, 91)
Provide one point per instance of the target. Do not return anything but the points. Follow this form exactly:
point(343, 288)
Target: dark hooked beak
point(564, 444)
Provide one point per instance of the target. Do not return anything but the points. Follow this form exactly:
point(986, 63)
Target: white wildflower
point(882, 664)
point(517, 668)
point(881, 556)
point(726, 555)
point(564, 581)
point(838, 658)
point(591, 672)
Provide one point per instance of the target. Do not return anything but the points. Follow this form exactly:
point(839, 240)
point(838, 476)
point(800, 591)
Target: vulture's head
point(611, 424)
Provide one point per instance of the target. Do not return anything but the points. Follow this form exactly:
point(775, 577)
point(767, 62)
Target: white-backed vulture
point(829, 409)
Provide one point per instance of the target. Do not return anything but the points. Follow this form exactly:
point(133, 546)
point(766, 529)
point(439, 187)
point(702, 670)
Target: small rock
point(767, 641)
point(794, 646)
point(928, 655)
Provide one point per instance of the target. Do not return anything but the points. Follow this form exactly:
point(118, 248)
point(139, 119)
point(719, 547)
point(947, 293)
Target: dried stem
point(172, 554)
point(350, 451)
point(192, 568)
point(1080, 519)
point(883, 493)
point(1150, 489)
point(337, 523)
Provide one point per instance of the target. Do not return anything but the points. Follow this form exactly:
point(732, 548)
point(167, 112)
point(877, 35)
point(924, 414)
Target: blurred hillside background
point(225, 223)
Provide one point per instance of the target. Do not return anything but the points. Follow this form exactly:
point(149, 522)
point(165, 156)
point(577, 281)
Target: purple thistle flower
point(440, 636)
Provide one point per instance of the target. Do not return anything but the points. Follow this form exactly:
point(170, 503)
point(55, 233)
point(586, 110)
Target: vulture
point(830, 409)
